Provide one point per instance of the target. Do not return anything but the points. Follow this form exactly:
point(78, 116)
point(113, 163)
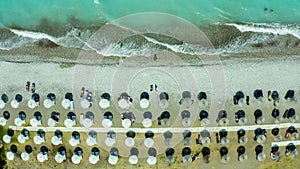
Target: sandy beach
point(53, 72)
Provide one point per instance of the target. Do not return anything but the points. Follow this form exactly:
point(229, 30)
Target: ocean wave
point(231, 38)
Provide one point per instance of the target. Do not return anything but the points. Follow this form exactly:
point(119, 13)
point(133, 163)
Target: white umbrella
point(110, 142)
point(10, 155)
point(278, 138)
point(48, 103)
point(104, 103)
point(90, 141)
point(34, 122)
point(2, 104)
point(163, 104)
point(129, 142)
point(106, 123)
point(260, 120)
point(2, 121)
point(65, 103)
point(147, 122)
point(148, 142)
point(133, 159)
point(21, 139)
point(187, 102)
point(205, 140)
point(31, 104)
point(225, 159)
point(41, 157)
point(113, 160)
point(18, 122)
point(277, 120)
point(6, 138)
point(261, 156)
point(144, 103)
point(87, 122)
point(203, 103)
point(123, 104)
point(204, 122)
point(68, 123)
point(76, 159)
point(126, 123)
point(93, 159)
point(14, 104)
point(73, 142)
point(25, 156)
point(84, 104)
point(186, 122)
point(151, 160)
point(59, 158)
point(224, 140)
point(243, 140)
point(243, 157)
point(224, 122)
point(51, 122)
point(56, 141)
point(261, 139)
point(37, 140)
point(242, 121)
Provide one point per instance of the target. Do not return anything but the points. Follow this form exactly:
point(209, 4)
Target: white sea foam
point(276, 29)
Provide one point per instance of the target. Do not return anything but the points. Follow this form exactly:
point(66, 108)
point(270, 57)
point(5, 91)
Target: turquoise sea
point(226, 23)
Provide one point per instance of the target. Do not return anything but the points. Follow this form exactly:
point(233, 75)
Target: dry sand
point(52, 73)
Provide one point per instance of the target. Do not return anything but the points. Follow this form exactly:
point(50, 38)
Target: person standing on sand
point(27, 86)
point(33, 88)
point(155, 57)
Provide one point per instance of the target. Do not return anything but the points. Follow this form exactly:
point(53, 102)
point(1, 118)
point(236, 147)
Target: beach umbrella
point(151, 160)
point(104, 103)
point(18, 98)
point(126, 123)
point(66, 103)
point(204, 122)
point(144, 103)
point(261, 139)
point(202, 95)
point(152, 152)
point(124, 104)
point(87, 122)
point(105, 96)
point(25, 156)
point(147, 122)
point(6, 115)
point(4, 98)
point(34, 122)
point(94, 159)
point(242, 121)
point(243, 140)
point(186, 122)
point(48, 103)
point(59, 158)
point(203, 114)
point(186, 94)
point(14, 104)
point(258, 93)
point(11, 154)
point(41, 157)
point(69, 123)
point(133, 159)
point(2, 104)
point(110, 141)
point(261, 156)
point(224, 122)
point(113, 160)
point(84, 104)
point(242, 157)
point(148, 142)
point(51, 122)
point(3, 121)
point(170, 152)
point(129, 141)
point(106, 123)
point(6, 138)
point(144, 95)
point(295, 136)
point(163, 104)
point(76, 159)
